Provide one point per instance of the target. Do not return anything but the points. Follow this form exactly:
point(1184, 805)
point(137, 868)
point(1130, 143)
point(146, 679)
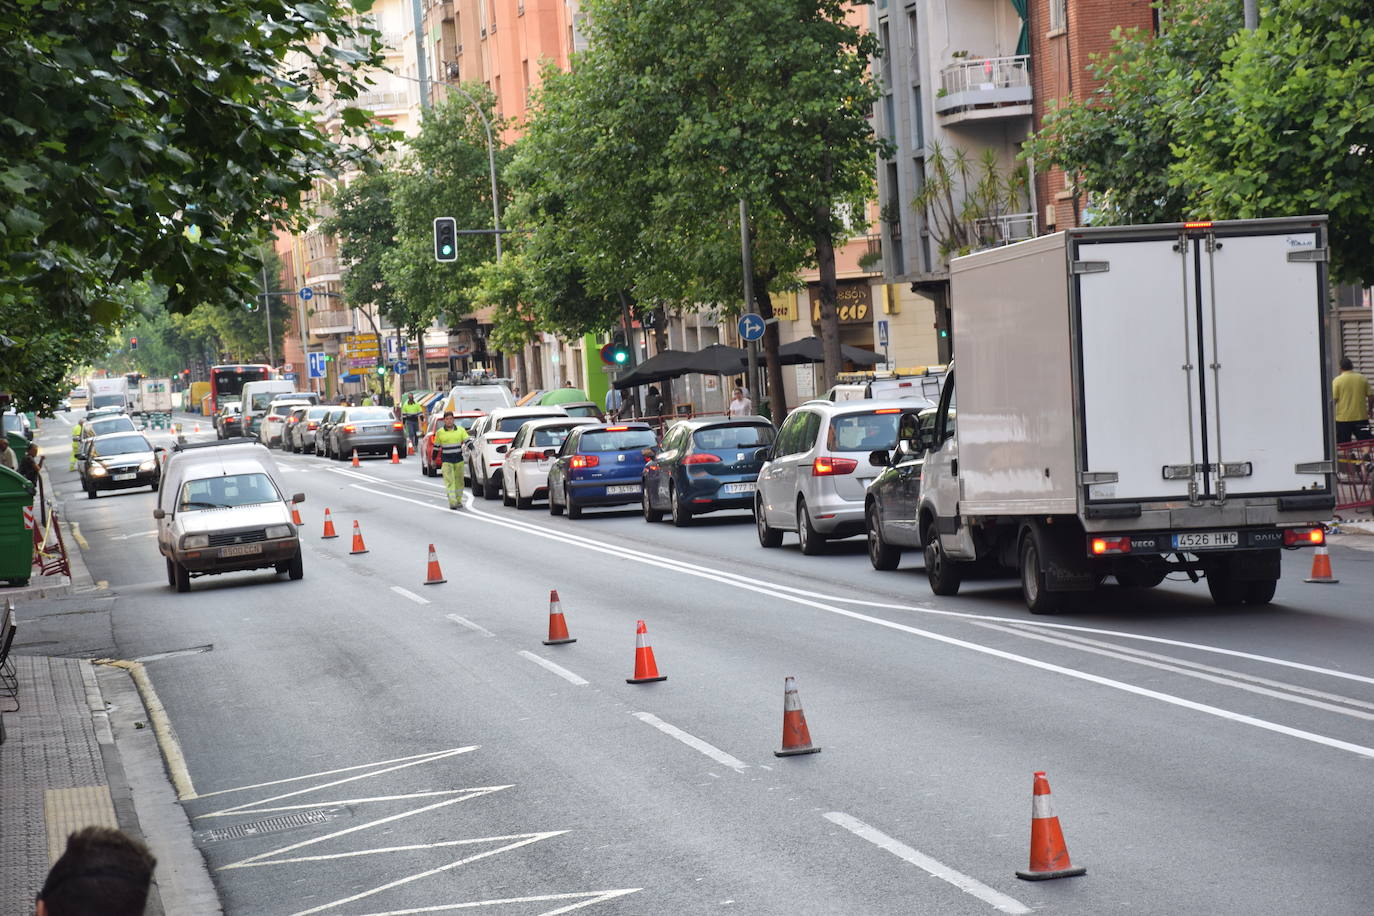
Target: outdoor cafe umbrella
point(718, 359)
point(809, 350)
point(562, 396)
point(660, 367)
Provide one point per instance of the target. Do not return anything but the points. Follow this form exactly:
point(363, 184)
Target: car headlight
point(98, 469)
point(193, 541)
point(149, 465)
point(279, 531)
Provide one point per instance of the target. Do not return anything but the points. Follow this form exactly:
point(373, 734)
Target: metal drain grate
point(278, 824)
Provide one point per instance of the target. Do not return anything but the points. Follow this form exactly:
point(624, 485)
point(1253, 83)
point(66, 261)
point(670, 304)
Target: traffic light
point(616, 353)
point(445, 239)
point(381, 370)
point(133, 343)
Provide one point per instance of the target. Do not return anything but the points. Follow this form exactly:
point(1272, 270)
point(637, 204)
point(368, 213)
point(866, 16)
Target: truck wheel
point(941, 571)
point(808, 538)
point(1039, 599)
point(171, 573)
point(1224, 588)
point(1261, 591)
point(296, 568)
point(880, 553)
point(182, 577)
point(768, 535)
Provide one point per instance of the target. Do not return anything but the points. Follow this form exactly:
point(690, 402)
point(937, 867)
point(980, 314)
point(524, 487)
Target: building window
point(525, 74)
point(918, 131)
point(885, 64)
point(1059, 15)
point(914, 61)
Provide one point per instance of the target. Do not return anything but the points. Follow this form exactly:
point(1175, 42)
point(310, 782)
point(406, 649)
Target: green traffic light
point(621, 356)
point(446, 250)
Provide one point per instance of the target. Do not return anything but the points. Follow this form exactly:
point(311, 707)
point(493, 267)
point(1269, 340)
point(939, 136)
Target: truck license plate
point(240, 550)
point(1206, 540)
point(619, 490)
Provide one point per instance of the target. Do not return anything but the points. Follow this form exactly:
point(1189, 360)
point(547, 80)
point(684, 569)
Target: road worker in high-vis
point(450, 438)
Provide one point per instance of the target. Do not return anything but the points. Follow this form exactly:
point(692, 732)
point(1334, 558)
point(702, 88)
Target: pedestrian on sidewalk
point(30, 464)
point(740, 405)
point(102, 873)
point(7, 458)
point(653, 405)
point(450, 438)
point(1350, 391)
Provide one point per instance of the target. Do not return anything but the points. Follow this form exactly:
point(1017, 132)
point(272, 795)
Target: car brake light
point(617, 429)
point(531, 454)
point(888, 410)
point(495, 441)
point(1102, 546)
point(1294, 537)
point(398, 425)
point(826, 466)
point(702, 458)
point(350, 428)
point(313, 424)
point(585, 461)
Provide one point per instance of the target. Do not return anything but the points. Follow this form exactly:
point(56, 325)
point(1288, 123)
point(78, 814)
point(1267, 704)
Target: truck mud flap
point(1066, 568)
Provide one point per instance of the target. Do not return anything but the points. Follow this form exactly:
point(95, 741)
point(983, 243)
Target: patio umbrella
point(718, 359)
point(665, 365)
point(808, 350)
point(562, 396)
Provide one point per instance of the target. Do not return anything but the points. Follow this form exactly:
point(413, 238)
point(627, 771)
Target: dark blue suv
point(706, 464)
point(599, 465)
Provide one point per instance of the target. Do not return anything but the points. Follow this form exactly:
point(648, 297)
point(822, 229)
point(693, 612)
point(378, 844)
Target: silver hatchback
point(819, 467)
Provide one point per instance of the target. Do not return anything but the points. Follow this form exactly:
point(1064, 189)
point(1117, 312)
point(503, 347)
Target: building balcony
point(376, 101)
point(331, 321)
point(981, 89)
point(995, 231)
point(321, 268)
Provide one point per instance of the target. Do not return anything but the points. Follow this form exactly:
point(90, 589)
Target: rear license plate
point(738, 488)
point(623, 489)
point(123, 476)
point(1206, 540)
point(240, 550)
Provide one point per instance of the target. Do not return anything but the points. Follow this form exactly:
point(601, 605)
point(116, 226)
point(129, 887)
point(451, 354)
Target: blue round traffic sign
point(307, 293)
point(400, 367)
point(751, 326)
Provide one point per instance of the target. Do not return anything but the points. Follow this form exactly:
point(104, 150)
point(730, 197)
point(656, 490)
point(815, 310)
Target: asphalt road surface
point(359, 742)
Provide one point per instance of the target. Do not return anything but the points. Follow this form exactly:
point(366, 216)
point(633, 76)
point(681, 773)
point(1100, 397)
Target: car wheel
point(491, 488)
point(153, 486)
point(646, 504)
point(880, 553)
point(554, 507)
point(941, 572)
point(295, 570)
point(768, 535)
point(574, 510)
point(523, 502)
point(1039, 599)
point(506, 498)
point(90, 492)
point(682, 516)
point(171, 572)
point(810, 540)
point(182, 578)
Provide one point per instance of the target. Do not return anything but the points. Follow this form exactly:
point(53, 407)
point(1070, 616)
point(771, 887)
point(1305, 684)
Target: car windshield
point(863, 432)
point(261, 399)
point(107, 400)
point(513, 424)
point(617, 440)
point(227, 491)
point(111, 425)
point(315, 413)
point(742, 436)
point(121, 445)
point(581, 410)
point(370, 413)
point(550, 435)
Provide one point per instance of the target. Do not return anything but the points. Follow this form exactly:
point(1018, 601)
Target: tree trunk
point(830, 318)
point(522, 370)
point(777, 394)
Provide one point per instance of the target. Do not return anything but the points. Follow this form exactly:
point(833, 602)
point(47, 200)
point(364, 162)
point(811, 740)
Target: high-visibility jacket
point(411, 408)
point(450, 442)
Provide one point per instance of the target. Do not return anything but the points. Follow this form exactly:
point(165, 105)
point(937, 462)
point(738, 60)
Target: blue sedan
point(706, 464)
point(599, 465)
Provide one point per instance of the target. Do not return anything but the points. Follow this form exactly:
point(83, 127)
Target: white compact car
point(525, 474)
point(492, 431)
point(274, 420)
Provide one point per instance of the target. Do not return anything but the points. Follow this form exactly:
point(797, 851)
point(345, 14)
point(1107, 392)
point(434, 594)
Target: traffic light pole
point(267, 307)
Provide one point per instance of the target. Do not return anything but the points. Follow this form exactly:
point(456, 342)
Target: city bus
point(226, 382)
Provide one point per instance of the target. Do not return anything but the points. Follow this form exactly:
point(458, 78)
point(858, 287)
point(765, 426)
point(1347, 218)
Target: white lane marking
point(338, 802)
point(476, 627)
point(137, 534)
point(968, 885)
point(406, 593)
point(414, 847)
point(692, 741)
point(747, 585)
point(355, 475)
point(1225, 676)
point(63, 418)
point(587, 898)
point(425, 757)
point(559, 670)
point(257, 860)
point(416, 877)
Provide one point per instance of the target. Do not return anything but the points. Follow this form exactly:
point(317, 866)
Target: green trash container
point(18, 444)
point(16, 541)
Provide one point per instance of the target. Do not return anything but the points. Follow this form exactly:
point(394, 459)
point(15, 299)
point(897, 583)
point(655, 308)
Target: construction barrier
point(1354, 479)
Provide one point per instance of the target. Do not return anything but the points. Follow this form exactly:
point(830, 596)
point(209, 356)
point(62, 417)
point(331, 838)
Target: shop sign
point(853, 301)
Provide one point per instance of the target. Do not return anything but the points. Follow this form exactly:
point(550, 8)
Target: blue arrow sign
point(400, 367)
point(751, 326)
point(315, 363)
point(307, 293)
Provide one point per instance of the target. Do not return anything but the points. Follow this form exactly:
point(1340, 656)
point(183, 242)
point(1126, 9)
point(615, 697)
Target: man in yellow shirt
point(1350, 391)
point(450, 438)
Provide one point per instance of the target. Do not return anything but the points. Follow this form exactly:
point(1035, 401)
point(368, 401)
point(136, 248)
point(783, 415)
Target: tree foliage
point(958, 193)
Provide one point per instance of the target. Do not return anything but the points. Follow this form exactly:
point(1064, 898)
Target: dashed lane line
point(692, 741)
point(559, 670)
point(475, 627)
point(407, 593)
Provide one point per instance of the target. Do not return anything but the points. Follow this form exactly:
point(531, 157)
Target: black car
point(706, 464)
point(118, 461)
point(890, 505)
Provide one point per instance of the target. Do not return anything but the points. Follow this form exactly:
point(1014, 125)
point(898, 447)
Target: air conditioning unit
point(1049, 216)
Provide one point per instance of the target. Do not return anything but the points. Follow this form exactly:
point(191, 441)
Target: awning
point(810, 350)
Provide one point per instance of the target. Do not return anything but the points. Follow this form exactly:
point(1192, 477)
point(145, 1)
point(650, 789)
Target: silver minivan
point(817, 470)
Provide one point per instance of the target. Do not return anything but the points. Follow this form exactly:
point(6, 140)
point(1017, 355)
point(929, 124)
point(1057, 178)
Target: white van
point(477, 397)
point(256, 398)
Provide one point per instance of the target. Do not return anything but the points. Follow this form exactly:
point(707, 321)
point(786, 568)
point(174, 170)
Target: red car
point(429, 452)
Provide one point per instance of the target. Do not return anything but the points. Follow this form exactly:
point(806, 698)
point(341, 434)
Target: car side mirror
point(878, 458)
point(765, 453)
point(298, 498)
point(502, 449)
point(550, 451)
point(159, 514)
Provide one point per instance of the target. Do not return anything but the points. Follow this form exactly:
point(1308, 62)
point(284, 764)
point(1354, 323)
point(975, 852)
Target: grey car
point(117, 461)
point(301, 427)
point(366, 430)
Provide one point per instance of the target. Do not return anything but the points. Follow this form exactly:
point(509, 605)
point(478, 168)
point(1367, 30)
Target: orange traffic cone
point(410, 448)
point(329, 531)
point(395, 459)
point(1321, 569)
point(1049, 856)
point(796, 738)
point(358, 546)
point(645, 669)
point(197, 429)
point(434, 576)
point(558, 627)
point(296, 515)
point(355, 458)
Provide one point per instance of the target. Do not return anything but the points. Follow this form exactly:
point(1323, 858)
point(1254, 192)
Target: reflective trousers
point(453, 482)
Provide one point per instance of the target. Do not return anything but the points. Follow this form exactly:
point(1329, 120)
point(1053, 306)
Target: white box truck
point(1133, 402)
point(155, 395)
point(108, 392)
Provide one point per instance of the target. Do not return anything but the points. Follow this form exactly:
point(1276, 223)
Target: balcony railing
point(321, 267)
point(995, 231)
point(380, 100)
point(332, 321)
point(985, 87)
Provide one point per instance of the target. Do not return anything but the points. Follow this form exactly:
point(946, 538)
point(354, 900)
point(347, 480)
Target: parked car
point(528, 457)
point(429, 451)
point(273, 420)
point(817, 470)
point(228, 419)
point(12, 421)
point(221, 509)
point(706, 464)
point(325, 428)
point(301, 425)
point(112, 410)
point(78, 397)
point(118, 461)
point(600, 464)
point(496, 429)
point(891, 519)
point(366, 430)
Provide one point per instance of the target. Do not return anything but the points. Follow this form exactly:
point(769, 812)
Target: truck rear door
point(1201, 363)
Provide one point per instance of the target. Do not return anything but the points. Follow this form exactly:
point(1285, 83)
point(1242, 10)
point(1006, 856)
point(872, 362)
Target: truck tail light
point(827, 466)
point(585, 461)
point(1101, 546)
point(1302, 537)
